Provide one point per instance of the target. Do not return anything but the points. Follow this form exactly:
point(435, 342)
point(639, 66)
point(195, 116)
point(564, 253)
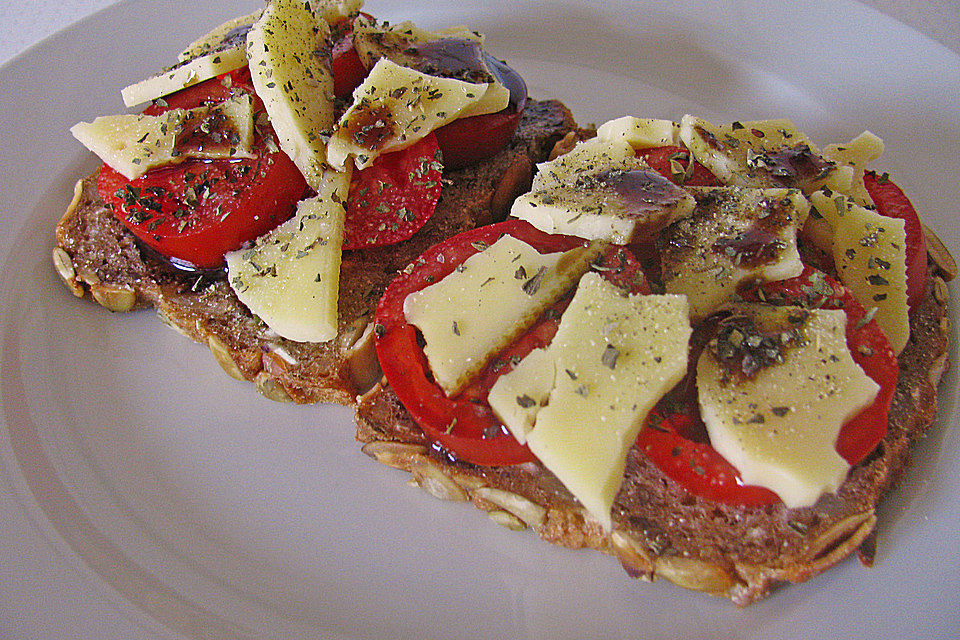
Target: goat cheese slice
point(580, 403)
point(489, 300)
point(778, 424)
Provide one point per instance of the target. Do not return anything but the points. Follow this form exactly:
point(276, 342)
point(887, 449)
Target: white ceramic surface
point(145, 494)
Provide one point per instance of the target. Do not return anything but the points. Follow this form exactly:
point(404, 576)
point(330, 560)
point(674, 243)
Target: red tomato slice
point(892, 202)
point(196, 211)
point(463, 425)
point(348, 69)
point(470, 140)
point(675, 442)
point(393, 198)
point(663, 159)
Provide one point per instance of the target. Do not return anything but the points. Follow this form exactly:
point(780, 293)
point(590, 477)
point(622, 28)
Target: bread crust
point(661, 530)
point(97, 257)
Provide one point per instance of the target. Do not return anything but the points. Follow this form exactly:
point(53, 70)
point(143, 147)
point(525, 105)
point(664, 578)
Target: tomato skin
point(393, 198)
point(248, 198)
point(469, 140)
point(196, 211)
point(464, 426)
point(659, 159)
point(696, 465)
point(346, 65)
point(892, 202)
point(672, 441)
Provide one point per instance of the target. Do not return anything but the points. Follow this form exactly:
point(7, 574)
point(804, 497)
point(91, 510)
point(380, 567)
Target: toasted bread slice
point(97, 256)
point(661, 530)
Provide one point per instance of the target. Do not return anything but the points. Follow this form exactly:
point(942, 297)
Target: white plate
point(145, 494)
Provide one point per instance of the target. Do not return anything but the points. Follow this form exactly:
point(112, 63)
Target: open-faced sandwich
point(703, 349)
point(284, 170)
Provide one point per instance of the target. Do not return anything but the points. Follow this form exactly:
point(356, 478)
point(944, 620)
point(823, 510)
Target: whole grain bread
point(660, 529)
point(97, 257)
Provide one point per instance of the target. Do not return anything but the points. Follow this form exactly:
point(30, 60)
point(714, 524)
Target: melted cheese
point(580, 403)
point(779, 427)
point(484, 304)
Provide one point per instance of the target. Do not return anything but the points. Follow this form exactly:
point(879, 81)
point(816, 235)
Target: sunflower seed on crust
point(530, 512)
point(118, 299)
point(939, 254)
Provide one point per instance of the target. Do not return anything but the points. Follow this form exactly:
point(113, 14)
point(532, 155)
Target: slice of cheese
point(396, 106)
point(855, 156)
point(640, 133)
point(734, 236)
point(489, 300)
point(230, 34)
point(870, 257)
point(411, 46)
point(517, 397)
point(778, 427)
point(290, 278)
point(759, 153)
point(600, 191)
point(134, 143)
point(288, 48)
point(585, 155)
point(613, 357)
point(221, 50)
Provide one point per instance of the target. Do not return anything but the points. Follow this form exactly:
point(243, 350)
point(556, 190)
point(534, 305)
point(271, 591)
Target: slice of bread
point(661, 530)
point(97, 256)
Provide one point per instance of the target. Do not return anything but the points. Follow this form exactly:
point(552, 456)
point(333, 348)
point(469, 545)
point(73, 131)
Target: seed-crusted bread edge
point(660, 530)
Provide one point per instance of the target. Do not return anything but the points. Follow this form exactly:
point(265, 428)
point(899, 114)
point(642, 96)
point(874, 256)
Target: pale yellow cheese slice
point(595, 152)
point(132, 144)
point(640, 133)
point(734, 236)
point(600, 191)
point(779, 427)
point(489, 300)
point(758, 153)
point(288, 49)
point(290, 278)
point(870, 254)
point(219, 51)
point(396, 106)
point(856, 155)
point(580, 403)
